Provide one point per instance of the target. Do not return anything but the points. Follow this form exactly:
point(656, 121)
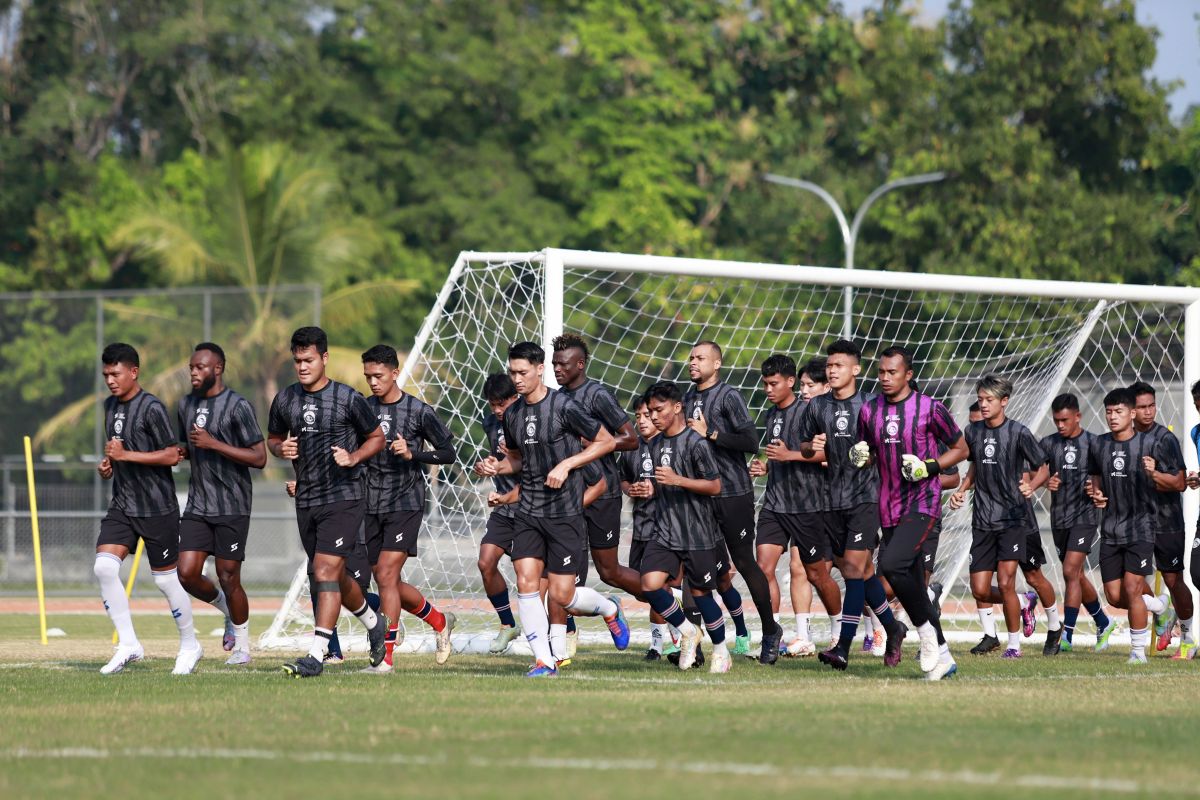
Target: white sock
point(658, 634)
point(181, 605)
point(1052, 621)
point(588, 602)
point(241, 635)
point(366, 615)
point(558, 641)
point(835, 627)
point(1185, 629)
point(320, 644)
point(687, 628)
point(108, 571)
point(1014, 641)
point(868, 624)
point(219, 602)
point(929, 594)
point(1155, 605)
point(944, 652)
point(1138, 639)
point(802, 626)
point(775, 616)
point(926, 629)
point(987, 618)
point(536, 626)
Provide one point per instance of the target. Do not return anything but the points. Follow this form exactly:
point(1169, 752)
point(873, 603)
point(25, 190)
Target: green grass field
point(1081, 725)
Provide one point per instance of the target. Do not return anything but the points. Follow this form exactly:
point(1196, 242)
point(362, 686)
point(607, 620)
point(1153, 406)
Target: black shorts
point(1035, 554)
point(394, 531)
point(556, 541)
point(331, 528)
point(854, 528)
point(989, 548)
point(806, 532)
point(499, 532)
point(1117, 559)
point(735, 515)
point(223, 537)
point(903, 544)
point(603, 519)
point(161, 535)
point(929, 547)
point(637, 549)
point(1076, 539)
point(703, 569)
point(1169, 549)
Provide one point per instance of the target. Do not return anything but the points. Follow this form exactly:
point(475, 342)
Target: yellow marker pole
point(137, 560)
point(37, 539)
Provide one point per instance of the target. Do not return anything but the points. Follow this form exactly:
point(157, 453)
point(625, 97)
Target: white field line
point(875, 773)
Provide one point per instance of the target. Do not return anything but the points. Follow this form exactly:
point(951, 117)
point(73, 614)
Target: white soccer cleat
point(944, 669)
point(383, 669)
point(123, 656)
point(572, 643)
point(800, 648)
point(238, 658)
point(687, 648)
point(878, 643)
point(187, 659)
point(721, 661)
point(444, 645)
point(928, 655)
point(1137, 658)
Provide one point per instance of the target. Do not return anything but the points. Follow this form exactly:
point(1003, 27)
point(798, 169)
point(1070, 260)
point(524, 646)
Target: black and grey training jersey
point(597, 400)
point(725, 410)
point(545, 434)
point(1129, 515)
point(503, 484)
point(219, 486)
point(639, 466)
point(685, 520)
point(1168, 457)
point(143, 426)
point(1000, 456)
point(393, 482)
point(335, 416)
point(1068, 458)
point(793, 487)
point(849, 486)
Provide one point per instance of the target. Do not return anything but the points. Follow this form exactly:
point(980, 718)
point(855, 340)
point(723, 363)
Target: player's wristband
point(933, 467)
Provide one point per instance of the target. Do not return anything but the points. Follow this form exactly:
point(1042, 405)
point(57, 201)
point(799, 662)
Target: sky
point(1178, 56)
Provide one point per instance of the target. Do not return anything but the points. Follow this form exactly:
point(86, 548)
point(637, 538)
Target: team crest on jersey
point(531, 429)
point(1119, 465)
point(1069, 456)
point(775, 430)
point(309, 414)
point(385, 422)
point(665, 459)
point(892, 427)
point(201, 417)
point(698, 411)
point(647, 464)
point(843, 422)
point(119, 424)
point(989, 450)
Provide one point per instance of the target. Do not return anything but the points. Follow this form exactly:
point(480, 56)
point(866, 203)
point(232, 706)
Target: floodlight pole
point(850, 231)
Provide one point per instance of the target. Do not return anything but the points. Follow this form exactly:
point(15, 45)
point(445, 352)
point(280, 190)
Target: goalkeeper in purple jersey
point(902, 433)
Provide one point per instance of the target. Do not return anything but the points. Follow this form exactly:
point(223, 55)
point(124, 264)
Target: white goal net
point(641, 314)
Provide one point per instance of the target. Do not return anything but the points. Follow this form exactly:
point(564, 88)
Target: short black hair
point(310, 336)
point(1123, 396)
point(382, 354)
point(498, 386)
point(1195, 390)
point(844, 347)
point(1140, 388)
point(974, 409)
point(779, 364)
point(568, 341)
point(1064, 402)
point(898, 350)
point(711, 344)
point(527, 351)
point(212, 348)
point(664, 390)
point(120, 353)
point(815, 370)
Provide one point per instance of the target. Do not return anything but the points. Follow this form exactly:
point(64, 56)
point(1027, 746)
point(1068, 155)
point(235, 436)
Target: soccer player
point(831, 426)
point(138, 455)
point(1124, 490)
point(1166, 467)
point(1187, 647)
point(570, 361)
point(326, 429)
point(396, 496)
point(795, 504)
point(499, 393)
point(543, 431)
point(219, 434)
point(1073, 516)
point(904, 432)
point(719, 415)
point(686, 532)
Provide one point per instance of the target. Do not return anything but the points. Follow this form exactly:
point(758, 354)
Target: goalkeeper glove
point(860, 454)
point(914, 469)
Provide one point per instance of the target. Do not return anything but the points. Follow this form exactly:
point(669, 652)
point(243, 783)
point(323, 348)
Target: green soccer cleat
point(1103, 636)
point(504, 637)
point(669, 649)
point(1065, 646)
point(741, 646)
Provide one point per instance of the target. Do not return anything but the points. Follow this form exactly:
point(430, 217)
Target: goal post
point(641, 313)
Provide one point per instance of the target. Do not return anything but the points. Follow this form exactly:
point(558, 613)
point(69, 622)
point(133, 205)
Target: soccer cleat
point(123, 657)
point(187, 659)
point(1053, 643)
point(945, 668)
point(1011, 653)
point(1186, 652)
point(868, 643)
point(988, 644)
point(1065, 646)
point(238, 658)
point(688, 643)
point(652, 655)
point(572, 643)
point(504, 637)
point(444, 645)
point(1137, 658)
point(929, 653)
point(937, 589)
point(1164, 629)
point(801, 648)
point(229, 638)
point(670, 649)
point(878, 643)
point(540, 670)
point(1028, 614)
point(303, 667)
point(562, 662)
point(383, 669)
point(721, 660)
point(618, 627)
point(1103, 636)
point(741, 645)
point(895, 645)
point(377, 638)
point(769, 651)
point(834, 657)
point(333, 659)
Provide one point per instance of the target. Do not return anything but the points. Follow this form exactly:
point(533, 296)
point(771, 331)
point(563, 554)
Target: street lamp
point(850, 231)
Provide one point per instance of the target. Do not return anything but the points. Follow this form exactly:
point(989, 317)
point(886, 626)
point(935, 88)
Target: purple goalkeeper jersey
point(916, 425)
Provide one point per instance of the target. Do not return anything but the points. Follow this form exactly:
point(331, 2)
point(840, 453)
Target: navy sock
point(373, 601)
point(733, 604)
point(335, 647)
point(877, 596)
point(852, 605)
point(499, 601)
point(1070, 617)
point(664, 603)
point(714, 620)
point(1097, 611)
point(570, 624)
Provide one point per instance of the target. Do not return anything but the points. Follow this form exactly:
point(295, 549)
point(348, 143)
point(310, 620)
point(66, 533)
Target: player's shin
point(108, 571)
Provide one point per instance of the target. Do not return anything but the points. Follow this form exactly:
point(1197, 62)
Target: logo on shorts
point(1015, 546)
point(566, 561)
point(858, 537)
point(166, 553)
point(1081, 539)
point(1174, 561)
point(892, 427)
point(720, 565)
point(233, 547)
point(399, 537)
point(843, 423)
point(338, 543)
point(1143, 562)
point(609, 535)
point(742, 535)
point(357, 574)
point(928, 557)
point(707, 577)
point(812, 551)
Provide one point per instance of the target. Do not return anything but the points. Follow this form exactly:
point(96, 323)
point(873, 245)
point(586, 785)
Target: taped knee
point(327, 586)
